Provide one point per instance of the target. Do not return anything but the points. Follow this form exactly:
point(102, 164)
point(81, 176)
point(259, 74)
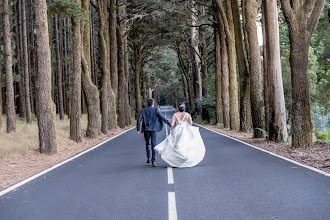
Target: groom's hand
point(139, 132)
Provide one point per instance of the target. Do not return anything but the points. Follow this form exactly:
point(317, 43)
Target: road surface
point(234, 181)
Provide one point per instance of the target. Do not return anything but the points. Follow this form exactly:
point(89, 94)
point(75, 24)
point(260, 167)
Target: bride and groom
point(183, 147)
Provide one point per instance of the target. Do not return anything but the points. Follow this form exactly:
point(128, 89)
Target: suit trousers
point(150, 136)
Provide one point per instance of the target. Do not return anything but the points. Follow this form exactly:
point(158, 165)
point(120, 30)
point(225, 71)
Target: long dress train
point(183, 147)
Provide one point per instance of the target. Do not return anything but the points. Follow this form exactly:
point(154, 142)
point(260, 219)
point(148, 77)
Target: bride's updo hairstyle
point(182, 107)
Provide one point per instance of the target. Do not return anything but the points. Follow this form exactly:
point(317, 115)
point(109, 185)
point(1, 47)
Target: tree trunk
point(59, 69)
point(218, 87)
point(137, 63)
point(10, 108)
point(105, 65)
point(277, 120)
point(257, 103)
point(19, 66)
point(45, 107)
point(301, 20)
point(233, 89)
point(121, 80)
point(187, 77)
point(244, 78)
point(113, 66)
point(26, 66)
point(75, 127)
point(128, 114)
point(225, 72)
point(91, 92)
point(195, 59)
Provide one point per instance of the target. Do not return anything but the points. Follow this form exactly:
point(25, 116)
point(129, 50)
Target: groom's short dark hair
point(150, 102)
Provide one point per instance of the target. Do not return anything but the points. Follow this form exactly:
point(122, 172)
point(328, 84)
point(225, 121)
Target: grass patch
point(26, 139)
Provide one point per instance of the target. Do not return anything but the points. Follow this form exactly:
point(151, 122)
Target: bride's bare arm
point(189, 119)
point(173, 121)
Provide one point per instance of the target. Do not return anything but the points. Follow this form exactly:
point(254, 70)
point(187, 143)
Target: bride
point(184, 146)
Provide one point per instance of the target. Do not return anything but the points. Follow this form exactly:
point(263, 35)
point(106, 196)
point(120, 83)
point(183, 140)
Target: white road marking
point(172, 214)
point(170, 178)
point(11, 188)
point(271, 153)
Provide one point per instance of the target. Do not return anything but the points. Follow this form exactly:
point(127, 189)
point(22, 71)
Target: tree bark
point(187, 77)
point(257, 103)
point(75, 127)
point(26, 66)
point(277, 120)
point(91, 92)
point(10, 108)
point(225, 72)
point(218, 81)
point(121, 80)
point(301, 20)
point(59, 70)
point(128, 113)
point(244, 78)
point(137, 64)
point(19, 66)
point(105, 65)
point(45, 107)
point(233, 88)
point(195, 59)
point(113, 66)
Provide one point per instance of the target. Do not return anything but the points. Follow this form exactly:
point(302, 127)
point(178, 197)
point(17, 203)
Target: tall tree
point(26, 66)
point(219, 106)
point(45, 106)
point(224, 71)
point(301, 17)
point(128, 117)
point(102, 9)
point(75, 125)
point(121, 79)
point(113, 65)
point(227, 19)
point(137, 70)
point(19, 67)
point(10, 108)
point(90, 90)
point(244, 78)
point(196, 58)
point(251, 8)
point(59, 69)
point(277, 119)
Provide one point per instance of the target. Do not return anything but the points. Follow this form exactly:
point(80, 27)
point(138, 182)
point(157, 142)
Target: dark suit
point(152, 123)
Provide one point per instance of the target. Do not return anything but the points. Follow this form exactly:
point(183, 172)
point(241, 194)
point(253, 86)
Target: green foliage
point(220, 125)
point(67, 9)
point(323, 136)
point(264, 133)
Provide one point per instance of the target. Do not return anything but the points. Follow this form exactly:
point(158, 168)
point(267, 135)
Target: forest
point(244, 65)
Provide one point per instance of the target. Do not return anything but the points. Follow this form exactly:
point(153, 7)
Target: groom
point(152, 123)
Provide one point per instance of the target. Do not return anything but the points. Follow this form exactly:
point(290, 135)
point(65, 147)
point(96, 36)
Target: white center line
point(172, 214)
point(170, 178)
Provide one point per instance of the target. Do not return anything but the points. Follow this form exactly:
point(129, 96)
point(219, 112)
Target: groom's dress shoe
point(154, 164)
point(148, 161)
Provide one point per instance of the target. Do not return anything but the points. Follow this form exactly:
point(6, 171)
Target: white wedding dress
point(183, 147)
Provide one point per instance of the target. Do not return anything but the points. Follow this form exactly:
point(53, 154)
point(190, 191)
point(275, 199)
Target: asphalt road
point(234, 181)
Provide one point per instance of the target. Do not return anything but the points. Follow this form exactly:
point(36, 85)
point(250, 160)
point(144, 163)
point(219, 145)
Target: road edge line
point(271, 153)
point(22, 182)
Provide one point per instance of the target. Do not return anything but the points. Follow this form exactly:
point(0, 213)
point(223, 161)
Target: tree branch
point(315, 16)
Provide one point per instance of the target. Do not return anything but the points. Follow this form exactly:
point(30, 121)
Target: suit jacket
point(152, 119)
